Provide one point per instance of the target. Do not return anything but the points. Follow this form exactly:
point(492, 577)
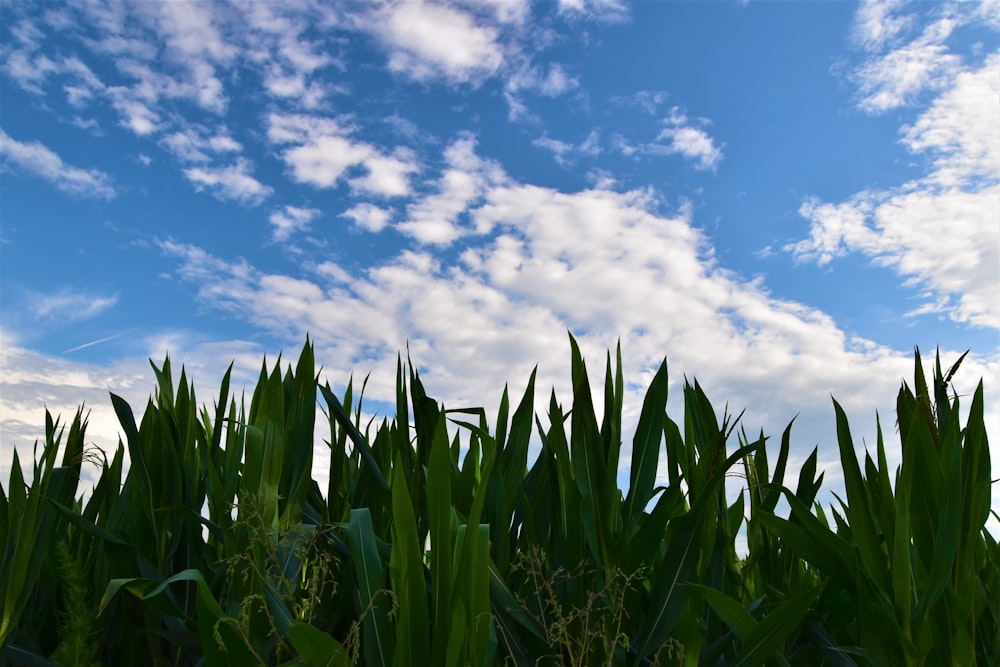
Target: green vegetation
point(436, 542)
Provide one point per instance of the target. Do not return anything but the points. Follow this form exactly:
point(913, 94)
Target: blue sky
point(781, 198)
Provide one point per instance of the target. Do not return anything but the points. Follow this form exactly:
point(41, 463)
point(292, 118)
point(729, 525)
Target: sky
point(781, 199)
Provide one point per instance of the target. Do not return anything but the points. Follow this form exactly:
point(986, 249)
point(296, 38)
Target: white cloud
point(368, 216)
point(959, 129)
point(230, 183)
point(680, 136)
point(434, 219)
point(612, 11)
point(29, 72)
point(190, 145)
point(552, 83)
point(876, 24)
point(278, 40)
point(563, 153)
point(428, 41)
point(895, 74)
point(387, 175)
point(941, 232)
point(692, 143)
point(137, 115)
point(300, 128)
point(957, 260)
point(325, 153)
point(35, 158)
point(323, 160)
point(560, 149)
point(191, 33)
point(504, 11)
point(647, 100)
point(70, 305)
point(531, 78)
point(289, 220)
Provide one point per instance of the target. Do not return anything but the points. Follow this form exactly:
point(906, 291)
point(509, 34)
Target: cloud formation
point(940, 232)
point(37, 159)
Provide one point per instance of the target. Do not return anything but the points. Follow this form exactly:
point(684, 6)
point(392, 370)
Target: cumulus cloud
point(323, 152)
point(427, 40)
point(692, 143)
point(368, 216)
point(388, 175)
point(35, 158)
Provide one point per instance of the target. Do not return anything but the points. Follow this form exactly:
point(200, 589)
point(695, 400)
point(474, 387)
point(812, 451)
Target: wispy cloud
point(565, 154)
point(70, 305)
point(612, 11)
point(894, 72)
point(290, 219)
point(191, 145)
point(35, 158)
point(678, 136)
point(649, 101)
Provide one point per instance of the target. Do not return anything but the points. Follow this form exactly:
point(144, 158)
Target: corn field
point(437, 541)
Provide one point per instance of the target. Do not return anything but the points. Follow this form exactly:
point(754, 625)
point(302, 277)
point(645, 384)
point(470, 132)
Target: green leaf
point(376, 634)
point(781, 624)
point(406, 570)
point(316, 648)
point(729, 610)
point(442, 539)
point(646, 445)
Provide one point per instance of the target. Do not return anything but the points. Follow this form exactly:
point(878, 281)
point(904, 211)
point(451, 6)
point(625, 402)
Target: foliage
point(436, 542)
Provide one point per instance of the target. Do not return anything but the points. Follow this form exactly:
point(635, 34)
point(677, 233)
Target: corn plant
point(441, 539)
